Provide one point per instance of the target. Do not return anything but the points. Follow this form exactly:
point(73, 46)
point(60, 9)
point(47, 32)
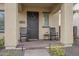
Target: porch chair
point(53, 33)
point(75, 32)
point(23, 33)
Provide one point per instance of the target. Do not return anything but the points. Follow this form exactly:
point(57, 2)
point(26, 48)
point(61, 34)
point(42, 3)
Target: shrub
point(1, 43)
point(56, 51)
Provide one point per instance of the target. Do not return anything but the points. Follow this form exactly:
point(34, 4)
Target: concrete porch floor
point(38, 44)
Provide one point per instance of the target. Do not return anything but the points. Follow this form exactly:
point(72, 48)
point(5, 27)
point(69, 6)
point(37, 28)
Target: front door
point(32, 25)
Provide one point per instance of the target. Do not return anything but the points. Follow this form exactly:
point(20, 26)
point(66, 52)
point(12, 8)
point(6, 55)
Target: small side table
point(47, 35)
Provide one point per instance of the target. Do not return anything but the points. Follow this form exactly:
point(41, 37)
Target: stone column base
point(10, 47)
point(68, 45)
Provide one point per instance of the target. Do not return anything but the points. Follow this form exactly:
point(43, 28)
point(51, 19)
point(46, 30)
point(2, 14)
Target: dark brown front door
point(32, 25)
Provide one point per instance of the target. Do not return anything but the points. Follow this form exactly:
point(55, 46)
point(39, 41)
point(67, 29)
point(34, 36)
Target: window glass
point(46, 18)
point(1, 21)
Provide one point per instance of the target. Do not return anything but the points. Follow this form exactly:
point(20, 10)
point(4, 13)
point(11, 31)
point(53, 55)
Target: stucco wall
point(53, 19)
point(1, 6)
point(22, 17)
point(11, 25)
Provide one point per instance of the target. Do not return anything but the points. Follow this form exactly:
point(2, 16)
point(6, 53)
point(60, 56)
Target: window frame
point(46, 19)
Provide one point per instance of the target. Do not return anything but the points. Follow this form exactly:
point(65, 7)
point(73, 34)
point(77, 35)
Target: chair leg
point(20, 39)
point(27, 39)
point(50, 38)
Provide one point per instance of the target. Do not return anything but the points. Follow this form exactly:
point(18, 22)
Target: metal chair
point(23, 33)
point(75, 32)
point(53, 33)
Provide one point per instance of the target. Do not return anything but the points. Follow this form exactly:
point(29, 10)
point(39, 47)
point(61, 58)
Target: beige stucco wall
point(11, 25)
point(67, 24)
point(53, 19)
point(22, 17)
point(1, 6)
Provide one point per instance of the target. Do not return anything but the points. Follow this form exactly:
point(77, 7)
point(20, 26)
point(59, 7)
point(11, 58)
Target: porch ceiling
point(51, 6)
point(38, 4)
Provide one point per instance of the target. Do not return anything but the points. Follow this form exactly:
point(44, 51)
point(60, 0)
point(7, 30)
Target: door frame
point(38, 22)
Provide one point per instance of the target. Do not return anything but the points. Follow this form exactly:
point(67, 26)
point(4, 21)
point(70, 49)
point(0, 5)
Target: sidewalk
point(36, 52)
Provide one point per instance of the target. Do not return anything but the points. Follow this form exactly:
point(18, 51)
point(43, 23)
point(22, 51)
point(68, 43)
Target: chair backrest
point(52, 31)
point(23, 30)
point(75, 32)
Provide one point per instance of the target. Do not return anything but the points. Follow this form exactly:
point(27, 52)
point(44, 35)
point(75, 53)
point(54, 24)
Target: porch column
point(67, 24)
point(11, 25)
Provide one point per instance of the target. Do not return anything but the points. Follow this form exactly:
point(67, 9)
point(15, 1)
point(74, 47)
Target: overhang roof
point(38, 4)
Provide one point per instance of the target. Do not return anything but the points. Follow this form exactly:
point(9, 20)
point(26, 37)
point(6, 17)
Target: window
point(46, 19)
point(1, 21)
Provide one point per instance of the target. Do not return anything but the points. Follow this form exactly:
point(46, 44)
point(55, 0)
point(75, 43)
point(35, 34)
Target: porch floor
point(38, 44)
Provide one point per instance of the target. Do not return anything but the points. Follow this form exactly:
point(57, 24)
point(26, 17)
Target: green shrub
point(1, 42)
point(56, 51)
